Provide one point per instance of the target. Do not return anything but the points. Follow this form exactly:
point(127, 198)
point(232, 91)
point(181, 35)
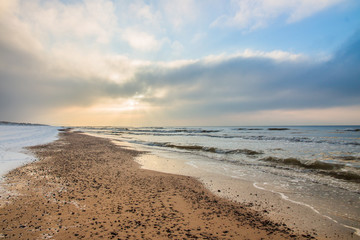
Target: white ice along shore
point(14, 139)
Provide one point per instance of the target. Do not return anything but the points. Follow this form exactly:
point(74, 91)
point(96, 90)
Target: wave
point(162, 131)
point(248, 129)
point(258, 129)
point(317, 165)
point(278, 129)
point(349, 158)
point(207, 133)
point(236, 133)
point(344, 175)
point(352, 130)
point(329, 169)
point(334, 170)
point(247, 152)
point(197, 131)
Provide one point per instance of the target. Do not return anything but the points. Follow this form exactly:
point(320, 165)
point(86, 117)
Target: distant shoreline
point(22, 124)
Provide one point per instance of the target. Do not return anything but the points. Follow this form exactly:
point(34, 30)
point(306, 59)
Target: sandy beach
point(87, 187)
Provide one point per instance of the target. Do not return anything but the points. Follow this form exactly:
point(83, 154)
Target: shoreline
point(277, 206)
point(87, 187)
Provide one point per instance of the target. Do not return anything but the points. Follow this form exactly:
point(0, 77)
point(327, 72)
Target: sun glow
point(126, 112)
point(119, 106)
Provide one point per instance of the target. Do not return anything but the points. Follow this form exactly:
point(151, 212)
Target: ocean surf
point(317, 167)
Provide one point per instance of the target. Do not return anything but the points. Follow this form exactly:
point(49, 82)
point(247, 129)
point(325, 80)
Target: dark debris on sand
point(85, 187)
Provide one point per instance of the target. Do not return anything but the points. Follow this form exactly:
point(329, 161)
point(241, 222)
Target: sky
point(180, 62)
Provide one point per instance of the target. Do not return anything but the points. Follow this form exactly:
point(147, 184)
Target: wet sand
point(298, 216)
point(87, 187)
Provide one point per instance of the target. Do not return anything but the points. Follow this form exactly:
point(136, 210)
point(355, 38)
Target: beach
point(87, 187)
point(305, 176)
point(155, 119)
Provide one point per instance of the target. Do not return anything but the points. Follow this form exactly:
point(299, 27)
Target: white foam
point(283, 196)
point(357, 230)
point(192, 164)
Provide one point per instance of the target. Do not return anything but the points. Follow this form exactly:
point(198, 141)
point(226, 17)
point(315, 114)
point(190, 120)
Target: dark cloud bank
point(198, 89)
point(251, 84)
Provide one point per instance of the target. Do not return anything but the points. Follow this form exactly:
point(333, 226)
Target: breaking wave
point(278, 129)
point(335, 148)
point(344, 175)
point(239, 133)
point(304, 164)
point(334, 170)
point(353, 130)
point(247, 152)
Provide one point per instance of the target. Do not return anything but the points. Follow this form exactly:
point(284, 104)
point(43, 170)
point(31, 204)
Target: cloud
point(255, 82)
point(145, 12)
point(141, 40)
point(177, 48)
point(180, 12)
point(211, 87)
point(42, 70)
point(52, 71)
point(55, 21)
point(254, 14)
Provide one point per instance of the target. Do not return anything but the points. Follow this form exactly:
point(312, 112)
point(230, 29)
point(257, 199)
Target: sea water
point(315, 166)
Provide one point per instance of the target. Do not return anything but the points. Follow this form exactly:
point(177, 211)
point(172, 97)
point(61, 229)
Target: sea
point(317, 167)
